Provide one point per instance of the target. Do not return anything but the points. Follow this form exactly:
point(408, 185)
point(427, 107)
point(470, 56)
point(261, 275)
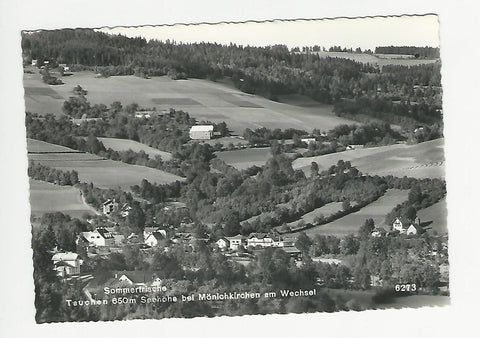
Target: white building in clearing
point(204, 132)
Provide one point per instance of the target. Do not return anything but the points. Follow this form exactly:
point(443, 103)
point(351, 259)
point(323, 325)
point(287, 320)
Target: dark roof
point(158, 236)
point(104, 233)
point(259, 235)
point(63, 263)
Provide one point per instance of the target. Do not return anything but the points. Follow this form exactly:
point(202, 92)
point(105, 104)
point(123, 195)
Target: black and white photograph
point(212, 169)
point(173, 178)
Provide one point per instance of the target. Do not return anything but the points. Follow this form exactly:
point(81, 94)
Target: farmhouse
point(236, 242)
point(204, 132)
point(66, 263)
point(405, 226)
point(110, 206)
point(98, 237)
point(260, 240)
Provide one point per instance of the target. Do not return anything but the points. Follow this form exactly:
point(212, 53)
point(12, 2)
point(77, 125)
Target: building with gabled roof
point(223, 243)
point(66, 263)
point(155, 238)
point(414, 229)
point(98, 237)
point(263, 240)
point(405, 226)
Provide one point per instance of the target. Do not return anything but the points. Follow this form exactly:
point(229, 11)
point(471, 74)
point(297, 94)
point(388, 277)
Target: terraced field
point(421, 160)
point(91, 168)
point(205, 100)
point(48, 197)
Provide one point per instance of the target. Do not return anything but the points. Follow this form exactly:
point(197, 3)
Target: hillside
point(421, 160)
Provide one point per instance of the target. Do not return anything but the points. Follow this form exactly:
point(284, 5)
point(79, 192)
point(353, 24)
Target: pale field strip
point(118, 144)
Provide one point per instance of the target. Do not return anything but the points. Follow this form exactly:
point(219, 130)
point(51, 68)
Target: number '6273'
point(405, 287)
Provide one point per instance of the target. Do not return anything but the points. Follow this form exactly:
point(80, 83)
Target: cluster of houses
point(401, 226)
point(259, 241)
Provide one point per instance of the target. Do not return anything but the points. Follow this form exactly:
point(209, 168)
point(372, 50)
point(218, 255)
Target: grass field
point(101, 172)
point(47, 197)
point(245, 158)
point(421, 160)
point(123, 145)
point(205, 100)
point(350, 223)
point(37, 146)
point(437, 214)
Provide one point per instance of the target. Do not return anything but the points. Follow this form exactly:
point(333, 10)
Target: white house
point(236, 242)
point(66, 263)
point(204, 132)
point(110, 206)
point(34, 62)
point(154, 238)
point(99, 237)
point(309, 140)
point(260, 239)
point(414, 229)
point(223, 243)
point(398, 225)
